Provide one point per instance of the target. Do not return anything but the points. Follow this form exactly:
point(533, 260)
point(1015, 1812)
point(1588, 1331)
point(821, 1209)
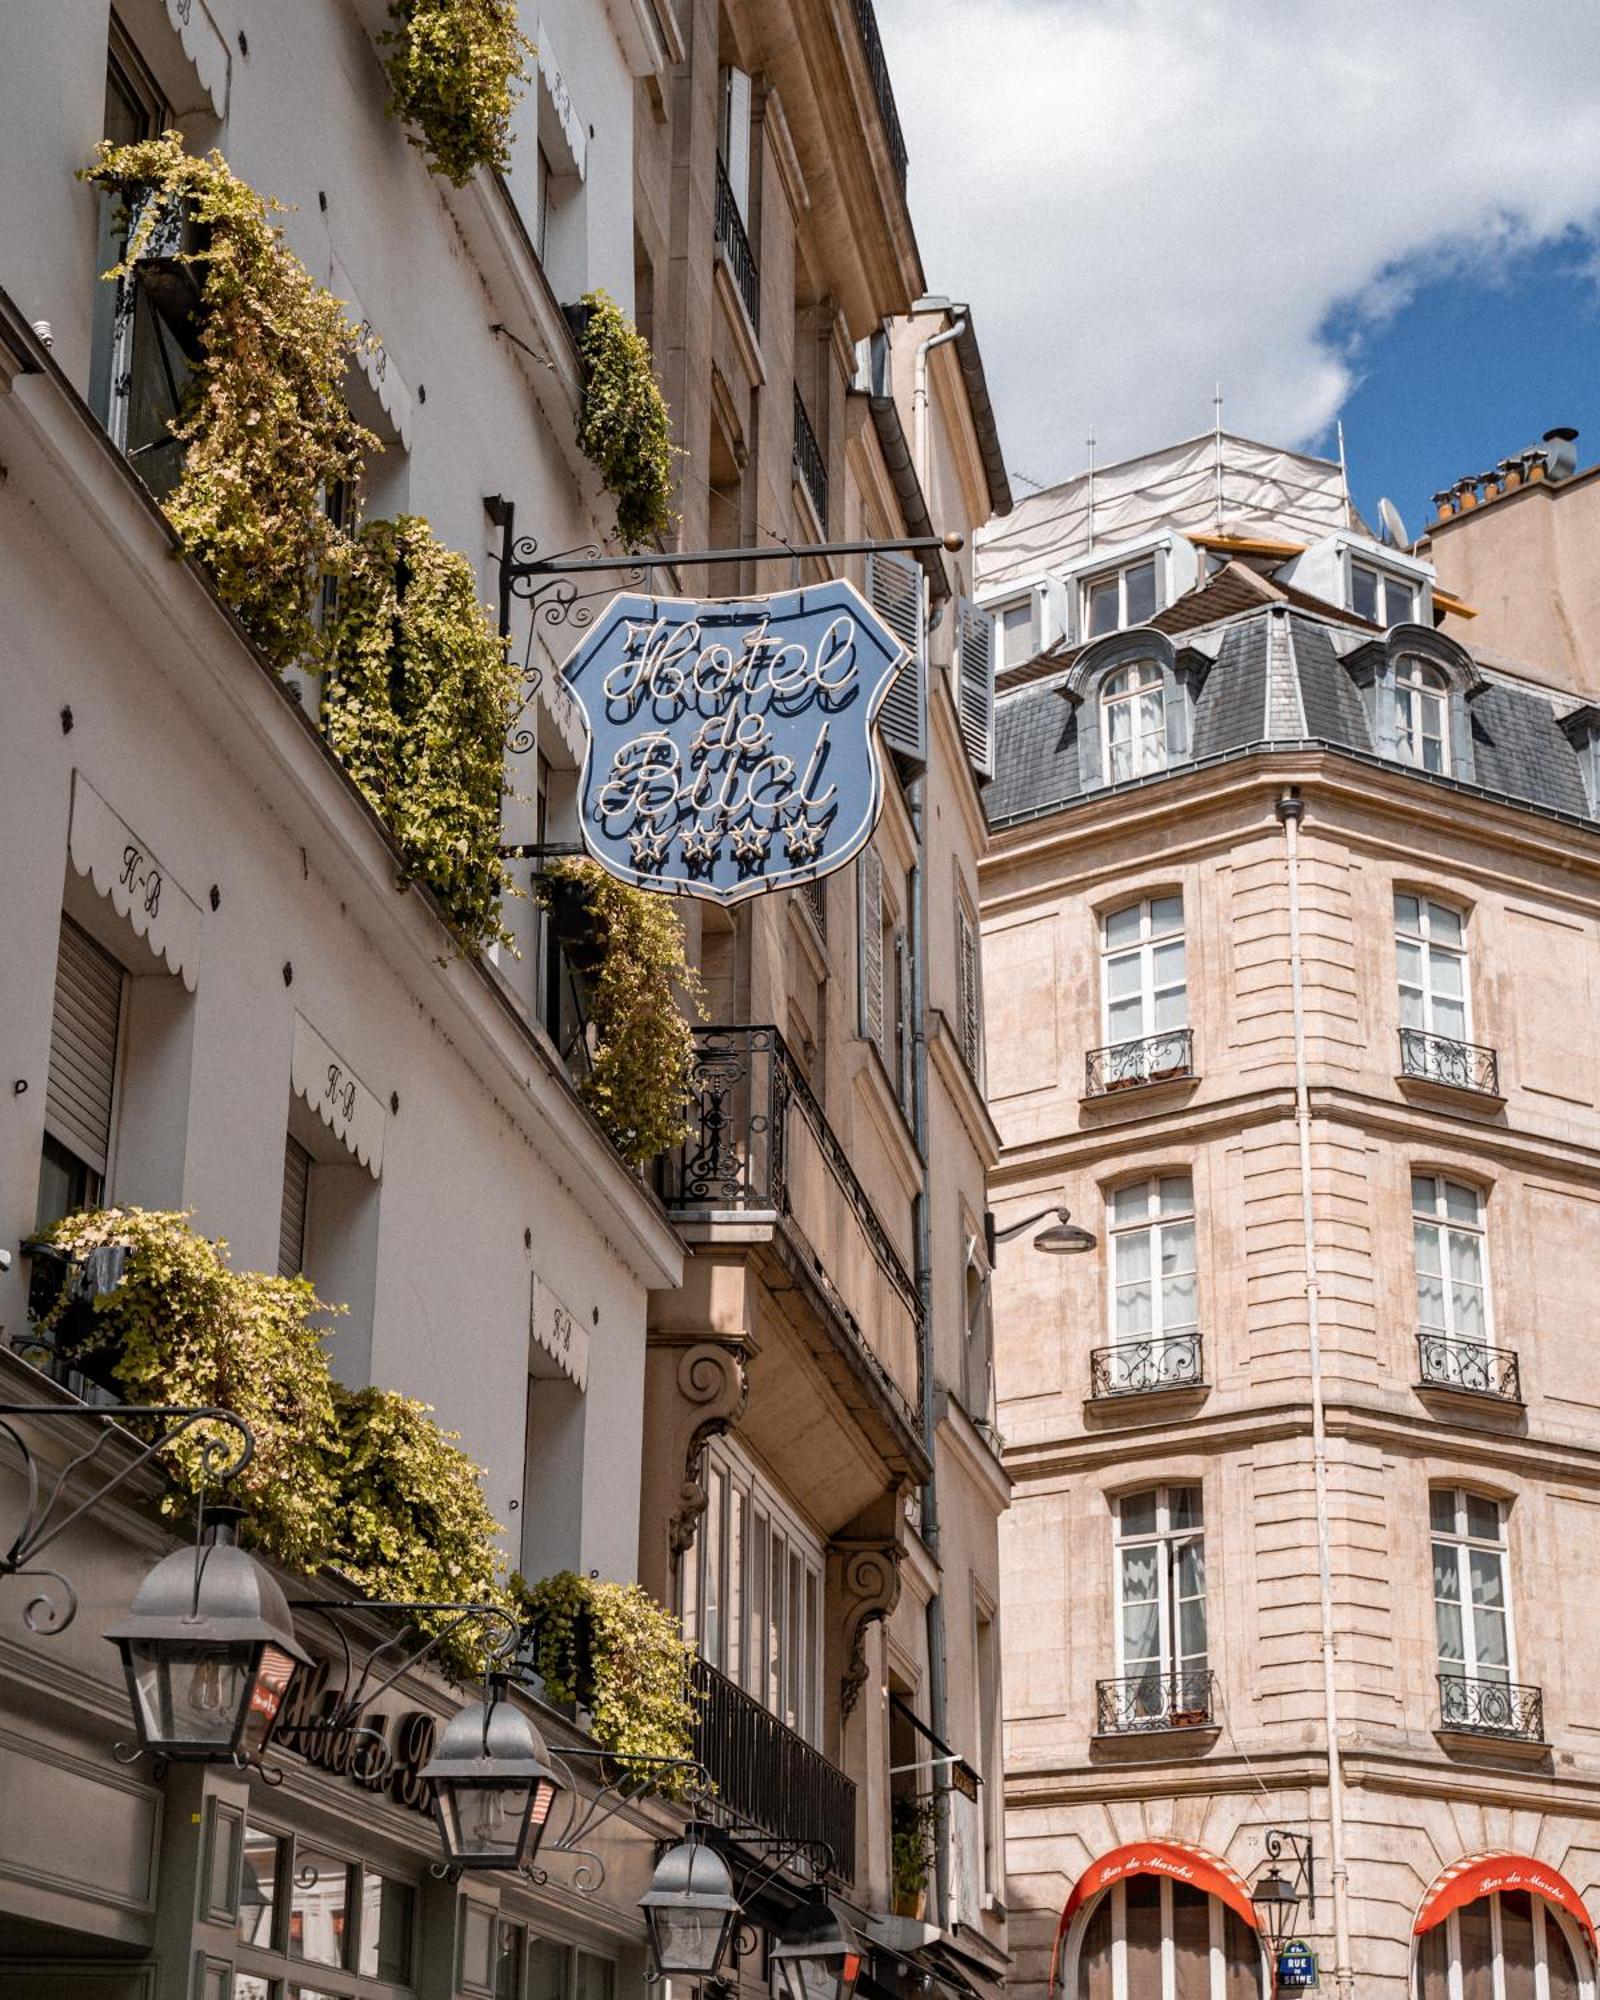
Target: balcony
point(882, 88)
point(1167, 1058)
point(766, 1776)
point(1473, 1707)
point(735, 246)
point(1452, 1065)
point(1469, 1367)
point(1145, 1702)
point(1147, 1367)
point(761, 1148)
point(808, 466)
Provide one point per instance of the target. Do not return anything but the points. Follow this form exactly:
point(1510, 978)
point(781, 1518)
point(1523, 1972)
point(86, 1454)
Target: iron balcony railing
point(1126, 1065)
point(768, 1777)
point(759, 1140)
point(882, 88)
point(1439, 1059)
point(1150, 1701)
point(1491, 1708)
point(1139, 1367)
point(1469, 1365)
point(735, 245)
point(808, 466)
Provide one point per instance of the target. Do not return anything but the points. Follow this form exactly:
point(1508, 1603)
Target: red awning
point(1482, 1874)
point(1156, 1857)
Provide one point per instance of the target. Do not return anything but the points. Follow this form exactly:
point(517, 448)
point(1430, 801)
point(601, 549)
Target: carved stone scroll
point(870, 1586)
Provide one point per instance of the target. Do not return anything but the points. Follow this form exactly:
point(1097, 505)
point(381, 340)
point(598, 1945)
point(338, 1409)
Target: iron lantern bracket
point(1279, 1840)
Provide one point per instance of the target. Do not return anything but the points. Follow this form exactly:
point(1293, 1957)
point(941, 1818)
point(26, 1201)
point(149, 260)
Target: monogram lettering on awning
point(126, 869)
point(558, 1332)
point(354, 1114)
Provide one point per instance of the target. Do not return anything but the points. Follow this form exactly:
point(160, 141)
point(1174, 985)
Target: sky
point(1385, 212)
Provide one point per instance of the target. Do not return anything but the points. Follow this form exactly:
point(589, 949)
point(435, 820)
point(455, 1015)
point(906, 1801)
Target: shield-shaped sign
point(731, 748)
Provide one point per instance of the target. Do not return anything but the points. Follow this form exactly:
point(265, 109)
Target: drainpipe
point(1290, 808)
point(919, 389)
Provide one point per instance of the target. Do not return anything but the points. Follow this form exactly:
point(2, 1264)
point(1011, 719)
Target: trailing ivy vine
point(642, 1062)
point(264, 425)
point(456, 67)
point(612, 1649)
point(624, 426)
point(418, 693)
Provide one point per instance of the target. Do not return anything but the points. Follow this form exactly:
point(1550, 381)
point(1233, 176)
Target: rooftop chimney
point(1561, 452)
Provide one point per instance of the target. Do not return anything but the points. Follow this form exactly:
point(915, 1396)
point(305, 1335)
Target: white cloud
point(1140, 197)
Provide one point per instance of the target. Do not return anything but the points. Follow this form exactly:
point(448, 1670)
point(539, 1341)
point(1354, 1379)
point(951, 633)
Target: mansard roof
point(1288, 672)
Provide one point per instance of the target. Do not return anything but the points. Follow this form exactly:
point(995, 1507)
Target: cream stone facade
point(1287, 1410)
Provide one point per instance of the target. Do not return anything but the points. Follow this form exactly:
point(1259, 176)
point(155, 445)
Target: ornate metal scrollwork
point(1443, 1060)
point(1481, 1707)
point(1141, 1367)
point(1126, 1065)
point(1138, 1703)
point(46, 1518)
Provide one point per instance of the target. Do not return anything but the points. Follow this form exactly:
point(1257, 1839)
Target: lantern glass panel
point(486, 1824)
point(689, 1941)
point(190, 1697)
point(810, 1978)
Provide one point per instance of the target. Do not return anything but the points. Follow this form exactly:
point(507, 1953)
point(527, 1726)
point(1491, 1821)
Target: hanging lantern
point(820, 1959)
point(492, 1786)
point(691, 1910)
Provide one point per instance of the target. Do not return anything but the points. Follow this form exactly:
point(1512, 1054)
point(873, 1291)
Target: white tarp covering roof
point(1260, 489)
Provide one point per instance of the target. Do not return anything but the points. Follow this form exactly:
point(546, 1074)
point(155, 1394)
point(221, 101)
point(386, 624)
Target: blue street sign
point(731, 748)
point(1297, 1965)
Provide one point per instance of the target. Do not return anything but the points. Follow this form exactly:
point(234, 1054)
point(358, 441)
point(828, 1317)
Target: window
point(81, 1083)
point(301, 1906)
point(1431, 959)
point(969, 992)
point(1017, 631)
point(1120, 598)
point(1154, 1322)
point(1452, 1269)
point(733, 136)
point(1154, 1938)
point(1470, 1598)
point(541, 202)
point(1133, 703)
point(1386, 600)
point(292, 1216)
point(1143, 975)
point(1510, 1946)
point(1161, 1602)
point(751, 1591)
point(1421, 715)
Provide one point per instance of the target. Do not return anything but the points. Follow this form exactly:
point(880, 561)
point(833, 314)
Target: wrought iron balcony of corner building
point(1478, 1707)
point(1470, 1367)
point(882, 88)
point(1147, 1367)
point(1165, 1058)
point(1140, 1704)
point(734, 243)
point(810, 468)
point(1457, 1065)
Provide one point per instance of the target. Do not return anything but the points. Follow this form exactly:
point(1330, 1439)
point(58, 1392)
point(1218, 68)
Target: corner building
point(1291, 927)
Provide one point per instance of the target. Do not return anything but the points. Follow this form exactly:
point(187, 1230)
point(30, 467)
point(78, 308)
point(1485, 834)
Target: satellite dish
point(1393, 527)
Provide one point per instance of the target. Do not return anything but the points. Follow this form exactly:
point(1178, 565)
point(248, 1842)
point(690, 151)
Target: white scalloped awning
point(351, 1112)
point(376, 363)
point(559, 1332)
point(203, 45)
point(124, 868)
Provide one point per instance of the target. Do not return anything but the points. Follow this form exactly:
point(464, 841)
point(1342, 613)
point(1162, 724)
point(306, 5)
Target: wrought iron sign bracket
point(47, 1516)
point(1279, 1840)
point(775, 1855)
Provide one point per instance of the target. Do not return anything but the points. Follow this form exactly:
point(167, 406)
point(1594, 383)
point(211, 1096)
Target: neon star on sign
point(731, 747)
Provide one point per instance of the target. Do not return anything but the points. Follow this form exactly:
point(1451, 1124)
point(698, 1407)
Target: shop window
point(1154, 1938)
point(1510, 1946)
point(302, 1906)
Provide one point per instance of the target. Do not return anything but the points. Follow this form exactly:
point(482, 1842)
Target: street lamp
point(1064, 1237)
point(492, 1786)
point(208, 1649)
point(691, 1910)
point(821, 1959)
point(1277, 1905)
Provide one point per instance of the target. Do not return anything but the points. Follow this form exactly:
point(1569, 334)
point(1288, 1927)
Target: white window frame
point(1432, 949)
point(1149, 940)
point(740, 1498)
point(1154, 1225)
point(1470, 1666)
point(1383, 581)
point(1166, 1540)
point(997, 609)
point(1131, 685)
point(1118, 573)
point(1420, 686)
point(1437, 1218)
point(1543, 1914)
point(1119, 1948)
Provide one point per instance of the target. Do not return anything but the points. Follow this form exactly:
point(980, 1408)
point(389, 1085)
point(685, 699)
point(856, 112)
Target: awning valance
point(126, 870)
point(1176, 1858)
point(355, 1115)
point(1484, 1874)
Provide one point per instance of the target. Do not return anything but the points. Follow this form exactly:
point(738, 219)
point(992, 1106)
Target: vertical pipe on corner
point(1290, 808)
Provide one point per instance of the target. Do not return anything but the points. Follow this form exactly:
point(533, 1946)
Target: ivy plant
point(642, 1061)
point(624, 427)
point(418, 693)
point(456, 68)
point(612, 1649)
point(263, 424)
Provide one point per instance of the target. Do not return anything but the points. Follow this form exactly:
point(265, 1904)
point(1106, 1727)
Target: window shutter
point(894, 590)
point(83, 1048)
point(975, 694)
point(869, 944)
point(292, 1219)
point(735, 136)
point(903, 1022)
point(967, 986)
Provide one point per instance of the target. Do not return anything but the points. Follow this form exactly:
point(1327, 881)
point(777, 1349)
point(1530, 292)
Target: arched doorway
point(1503, 1927)
point(1159, 1920)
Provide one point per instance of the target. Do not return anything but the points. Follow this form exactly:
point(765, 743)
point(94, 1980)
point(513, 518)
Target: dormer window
point(1421, 715)
point(1119, 598)
point(1383, 598)
point(1133, 702)
point(1017, 630)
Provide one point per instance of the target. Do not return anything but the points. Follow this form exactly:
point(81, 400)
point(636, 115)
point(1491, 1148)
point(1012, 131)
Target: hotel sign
point(730, 739)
